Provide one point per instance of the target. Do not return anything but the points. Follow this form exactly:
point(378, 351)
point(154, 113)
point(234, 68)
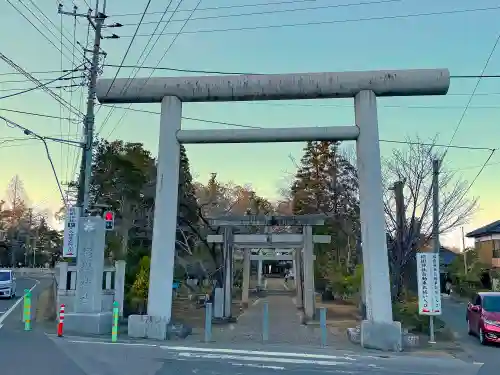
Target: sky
point(280, 37)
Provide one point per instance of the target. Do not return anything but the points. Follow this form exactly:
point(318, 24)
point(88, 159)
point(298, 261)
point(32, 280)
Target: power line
point(200, 71)
point(479, 172)
point(58, 98)
point(38, 114)
point(317, 23)
point(108, 116)
point(43, 139)
point(275, 11)
point(457, 127)
point(130, 44)
point(41, 72)
point(172, 42)
point(41, 85)
point(474, 167)
point(36, 28)
point(259, 127)
point(225, 7)
point(464, 112)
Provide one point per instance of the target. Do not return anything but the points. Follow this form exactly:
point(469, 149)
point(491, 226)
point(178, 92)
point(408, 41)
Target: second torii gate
point(303, 259)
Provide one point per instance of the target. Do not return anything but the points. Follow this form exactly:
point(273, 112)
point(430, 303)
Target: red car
point(483, 317)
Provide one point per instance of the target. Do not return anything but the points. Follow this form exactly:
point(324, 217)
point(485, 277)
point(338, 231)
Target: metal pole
point(208, 322)
point(265, 322)
point(322, 321)
point(435, 228)
point(86, 163)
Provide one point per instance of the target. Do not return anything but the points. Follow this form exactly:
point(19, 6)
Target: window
point(477, 300)
point(491, 303)
point(5, 276)
point(496, 248)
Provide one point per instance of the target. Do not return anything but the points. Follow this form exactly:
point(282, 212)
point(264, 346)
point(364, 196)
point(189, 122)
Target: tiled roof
point(492, 228)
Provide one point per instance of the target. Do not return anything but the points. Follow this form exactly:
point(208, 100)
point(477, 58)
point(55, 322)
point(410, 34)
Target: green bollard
point(27, 310)
point(114, 329)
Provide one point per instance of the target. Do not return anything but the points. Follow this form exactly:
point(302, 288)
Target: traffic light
point(109, 219)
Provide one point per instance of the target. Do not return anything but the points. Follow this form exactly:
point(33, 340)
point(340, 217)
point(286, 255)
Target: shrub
point(139, 291)
point(407, 313)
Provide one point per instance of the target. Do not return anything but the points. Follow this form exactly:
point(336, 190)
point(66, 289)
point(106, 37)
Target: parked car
point(7, 283)
point(483, 317)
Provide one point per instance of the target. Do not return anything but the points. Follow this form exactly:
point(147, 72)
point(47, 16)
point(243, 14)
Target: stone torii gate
point(378, 330)
point(304, 259)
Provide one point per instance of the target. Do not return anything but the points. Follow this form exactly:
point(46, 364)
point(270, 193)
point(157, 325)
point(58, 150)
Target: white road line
point(194, 349)
point(13, 307)
point(262, 359)
point(256, 365)
point(258, 353)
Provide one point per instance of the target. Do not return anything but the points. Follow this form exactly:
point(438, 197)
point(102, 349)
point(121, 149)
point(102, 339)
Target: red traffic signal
point(108, 216)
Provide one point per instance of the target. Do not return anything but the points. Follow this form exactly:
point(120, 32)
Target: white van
point(7, 284)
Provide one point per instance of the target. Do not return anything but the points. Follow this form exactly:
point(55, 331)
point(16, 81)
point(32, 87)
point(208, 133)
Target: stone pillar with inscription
point(87, 316)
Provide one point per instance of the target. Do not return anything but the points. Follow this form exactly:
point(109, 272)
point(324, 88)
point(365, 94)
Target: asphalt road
point(454, 317)
point(36, 353)
point(96, 357)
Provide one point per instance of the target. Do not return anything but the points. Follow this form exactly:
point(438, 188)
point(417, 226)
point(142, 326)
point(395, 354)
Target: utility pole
point(400, 213)
point(466, 267)
point(96, 20)
point(28, 242)
point(435, 226)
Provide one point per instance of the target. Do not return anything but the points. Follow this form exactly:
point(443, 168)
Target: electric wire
point(37, 114)
point(58, 98)
point(108, 115)
point(317, 23)
point(37, 29)
point(464, 112)
point(276, 11)
point(130, 44)
point(43, 139)
point(159, 61)
point(462, 147)
point(202, 71)
point(226, 7)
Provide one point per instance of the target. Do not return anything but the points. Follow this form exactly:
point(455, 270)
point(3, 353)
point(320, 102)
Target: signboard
point(71, 232)
point(429, 284)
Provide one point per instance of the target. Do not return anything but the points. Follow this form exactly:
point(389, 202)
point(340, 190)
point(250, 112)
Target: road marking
point(256, 352)
point(262, 359)
point(13, 307)
point(194, 349)
point(255, 365)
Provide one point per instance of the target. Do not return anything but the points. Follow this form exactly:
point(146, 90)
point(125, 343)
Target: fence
point(113, 285)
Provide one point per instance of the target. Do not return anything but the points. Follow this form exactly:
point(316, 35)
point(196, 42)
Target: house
point(446, 256)
point(487, 243)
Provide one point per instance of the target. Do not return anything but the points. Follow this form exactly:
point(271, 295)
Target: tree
point(48, 243)
point(413, 166)
point(15, 207)
point(140, 288)
point(326, 182)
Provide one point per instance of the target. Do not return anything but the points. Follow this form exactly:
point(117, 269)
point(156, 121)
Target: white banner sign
point(429, 284)
point(71, 232)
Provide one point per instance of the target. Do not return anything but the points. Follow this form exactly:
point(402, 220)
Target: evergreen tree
point(188, 205)
point(326, 183)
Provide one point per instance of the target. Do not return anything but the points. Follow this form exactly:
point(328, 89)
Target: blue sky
point(357, 37)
